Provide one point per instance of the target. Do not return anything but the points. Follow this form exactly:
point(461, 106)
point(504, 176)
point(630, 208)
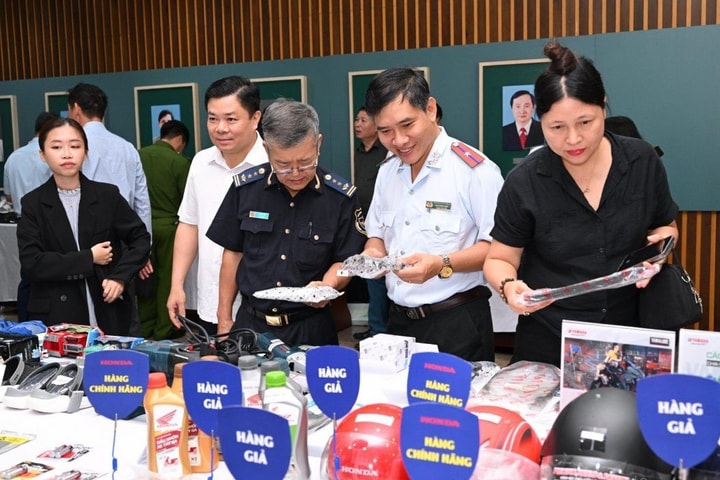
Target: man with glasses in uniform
point(287, 223)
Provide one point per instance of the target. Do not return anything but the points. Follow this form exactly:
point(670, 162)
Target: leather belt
point(279, 319)
point(456, 300)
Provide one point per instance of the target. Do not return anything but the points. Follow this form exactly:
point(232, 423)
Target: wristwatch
point(446, 269)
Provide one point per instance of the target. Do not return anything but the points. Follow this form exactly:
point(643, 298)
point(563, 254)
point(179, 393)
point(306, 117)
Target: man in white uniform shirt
point(433, 208)
point(233, 108)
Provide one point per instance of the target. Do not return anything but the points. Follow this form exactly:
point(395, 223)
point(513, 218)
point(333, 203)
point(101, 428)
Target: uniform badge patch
point(468, 155)
point(360, 221)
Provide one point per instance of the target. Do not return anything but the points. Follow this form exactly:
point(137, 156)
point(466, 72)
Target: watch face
point(446, 272)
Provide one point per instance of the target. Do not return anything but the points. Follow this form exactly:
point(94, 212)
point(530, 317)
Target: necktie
point(523, 138)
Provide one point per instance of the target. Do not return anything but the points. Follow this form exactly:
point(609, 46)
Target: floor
point(8, 311)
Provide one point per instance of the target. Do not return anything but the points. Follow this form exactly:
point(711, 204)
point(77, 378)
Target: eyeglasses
point(288, 171)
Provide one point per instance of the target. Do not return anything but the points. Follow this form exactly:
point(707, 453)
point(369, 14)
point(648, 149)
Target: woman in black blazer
point(71, 238)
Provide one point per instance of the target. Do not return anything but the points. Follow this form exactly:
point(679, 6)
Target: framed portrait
point(272, 88)
point(156, 104)
point(509, 127)
point(358, 83)
point(9, 140)
point(57, 102)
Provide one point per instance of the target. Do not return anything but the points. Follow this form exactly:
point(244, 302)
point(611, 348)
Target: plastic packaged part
point(63, 393)
point(597, 436)
point(167, 421)
point(284, 401)
point(367, 445)
point(17, 396)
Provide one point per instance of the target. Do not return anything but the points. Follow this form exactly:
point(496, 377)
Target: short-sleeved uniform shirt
point(542, 210)
point(448, 207)
point(287, 241)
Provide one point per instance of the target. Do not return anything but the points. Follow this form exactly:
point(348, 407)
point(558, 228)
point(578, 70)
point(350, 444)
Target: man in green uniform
point(166, 170)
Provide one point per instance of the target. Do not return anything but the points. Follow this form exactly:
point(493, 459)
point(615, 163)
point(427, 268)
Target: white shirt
point(449, 207)
point(208, 182)
point(24, 172)
point(112, 159)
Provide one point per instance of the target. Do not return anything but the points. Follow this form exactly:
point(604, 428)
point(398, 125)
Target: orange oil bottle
point(167, 421)
point(199, 442)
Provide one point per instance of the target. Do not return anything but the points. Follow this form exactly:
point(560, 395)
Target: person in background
point(524, 132)
point(573, 209)
point(620, 125)
point(70, 237)
point(369, 155)
point(112, 159)
point(432, 209)
point(24, 168)
point(233, 108)
point(287, 223)
point(624, 126)
point(24, 172)
point(166, 170)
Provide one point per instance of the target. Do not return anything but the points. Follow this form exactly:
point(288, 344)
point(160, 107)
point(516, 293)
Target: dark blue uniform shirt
point(287, 241)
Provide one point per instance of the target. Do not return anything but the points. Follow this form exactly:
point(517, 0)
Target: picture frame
point(358, 83)
point(271, 88)
point(9, 135)
point(154, 101)
point(57, 102)
point(497, 82)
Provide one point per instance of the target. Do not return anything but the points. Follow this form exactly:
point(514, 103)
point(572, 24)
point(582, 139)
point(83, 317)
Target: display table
point(87, 428)
point(9, 262)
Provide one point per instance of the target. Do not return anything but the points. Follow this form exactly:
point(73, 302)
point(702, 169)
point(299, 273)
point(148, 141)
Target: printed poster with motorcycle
point(598, 355)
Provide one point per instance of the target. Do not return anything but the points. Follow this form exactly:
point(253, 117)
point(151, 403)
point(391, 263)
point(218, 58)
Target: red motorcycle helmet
point(509, 447)
point(367, 445)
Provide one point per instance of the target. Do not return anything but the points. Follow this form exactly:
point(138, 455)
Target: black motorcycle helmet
point(708, 469)
point(599, 432)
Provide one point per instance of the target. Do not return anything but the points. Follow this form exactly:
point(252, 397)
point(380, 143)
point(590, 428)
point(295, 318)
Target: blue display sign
point(208, 387)
point(679, 416)
point(333, 377)
point(439, 378)
point(115, 381)
point(255, 443)
point(439, 441)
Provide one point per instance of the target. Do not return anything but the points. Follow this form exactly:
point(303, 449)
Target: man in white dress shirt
point(233, 109)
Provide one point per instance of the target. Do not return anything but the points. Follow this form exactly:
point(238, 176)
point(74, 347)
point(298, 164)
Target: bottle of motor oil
point(282, 400)
point(167, 420)
point(199, 442)
point(250, 375)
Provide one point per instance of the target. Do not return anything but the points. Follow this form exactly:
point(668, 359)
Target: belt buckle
point(415, 313)
point(274, 320)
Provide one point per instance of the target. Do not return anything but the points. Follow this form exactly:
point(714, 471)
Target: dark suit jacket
point(511, 139)
point(57, 270)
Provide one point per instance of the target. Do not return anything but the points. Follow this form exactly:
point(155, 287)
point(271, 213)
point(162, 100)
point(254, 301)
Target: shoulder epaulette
point(472, 157)
point(339, 184)
point(250, 175)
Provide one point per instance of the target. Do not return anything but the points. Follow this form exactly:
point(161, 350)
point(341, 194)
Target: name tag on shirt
point(260, 215)
point(433, 205)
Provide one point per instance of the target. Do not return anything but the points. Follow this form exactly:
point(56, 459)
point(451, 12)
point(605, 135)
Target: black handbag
point(670, 300)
